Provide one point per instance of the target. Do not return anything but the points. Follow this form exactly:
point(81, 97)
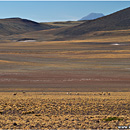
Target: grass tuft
point(113, 118)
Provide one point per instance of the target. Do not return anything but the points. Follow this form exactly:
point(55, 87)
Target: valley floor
point(65, 66)
point(59, 84)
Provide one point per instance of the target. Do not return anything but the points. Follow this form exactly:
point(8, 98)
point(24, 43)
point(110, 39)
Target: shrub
point(113, 118)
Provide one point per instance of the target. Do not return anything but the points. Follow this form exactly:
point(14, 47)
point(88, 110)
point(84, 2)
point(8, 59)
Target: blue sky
point(43, 11)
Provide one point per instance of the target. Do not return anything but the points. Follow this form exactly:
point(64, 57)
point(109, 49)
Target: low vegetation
point(63, 111)
point(113, 118)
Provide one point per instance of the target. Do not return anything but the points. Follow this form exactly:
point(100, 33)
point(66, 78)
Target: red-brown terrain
point(64, 66)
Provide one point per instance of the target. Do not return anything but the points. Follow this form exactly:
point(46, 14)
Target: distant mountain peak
point(92, 16)
point(119, 20)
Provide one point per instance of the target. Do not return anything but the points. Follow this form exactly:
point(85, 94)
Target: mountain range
point(92, 16)
point(17, 28)
point(116, 21)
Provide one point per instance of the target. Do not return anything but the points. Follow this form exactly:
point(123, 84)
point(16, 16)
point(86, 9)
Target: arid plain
point(36, 76)
point(60, 110)
point(77, 84)
point(65, 66)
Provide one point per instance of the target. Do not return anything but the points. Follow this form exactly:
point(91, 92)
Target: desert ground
point(78, 84)
point(61, 66)
point(61, 110)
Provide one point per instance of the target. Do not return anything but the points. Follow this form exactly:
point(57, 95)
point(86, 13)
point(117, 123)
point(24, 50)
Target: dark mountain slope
point(92, 16)
point(18, 26)
point(116, 21)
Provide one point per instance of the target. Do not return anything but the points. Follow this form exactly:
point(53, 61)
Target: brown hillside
point(117, 21)
point(12, 26)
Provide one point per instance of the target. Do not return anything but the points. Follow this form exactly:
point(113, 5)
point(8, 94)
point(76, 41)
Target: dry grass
point(61, 111)
point(59, 54)
point(65, 23)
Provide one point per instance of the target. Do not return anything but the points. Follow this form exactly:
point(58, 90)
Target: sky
point(48, 11)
